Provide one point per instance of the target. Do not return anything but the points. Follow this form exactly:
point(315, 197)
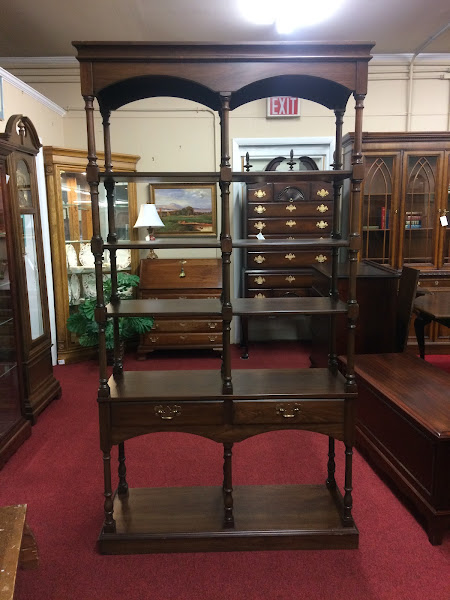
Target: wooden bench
point(17, 547)
point(403, 426)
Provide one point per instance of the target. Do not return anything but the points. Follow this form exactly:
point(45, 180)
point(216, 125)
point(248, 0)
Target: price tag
point(444, 221)
point(261, 237)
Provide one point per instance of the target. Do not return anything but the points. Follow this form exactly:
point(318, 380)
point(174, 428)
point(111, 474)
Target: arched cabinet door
point(40, 386)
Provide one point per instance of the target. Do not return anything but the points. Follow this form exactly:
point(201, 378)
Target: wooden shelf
point(253, 243)
point(269, 517)
point(212, 307)
point(248, 384)
point(164, 243)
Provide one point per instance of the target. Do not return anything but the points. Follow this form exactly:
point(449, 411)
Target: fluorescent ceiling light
point(288, 15)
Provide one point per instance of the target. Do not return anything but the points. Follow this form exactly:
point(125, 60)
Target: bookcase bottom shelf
point(270, 517)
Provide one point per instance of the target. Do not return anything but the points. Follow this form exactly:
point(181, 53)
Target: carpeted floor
point(58, 473)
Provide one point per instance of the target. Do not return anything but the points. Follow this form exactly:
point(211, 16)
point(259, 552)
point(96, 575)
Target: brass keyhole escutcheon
point(182, 272)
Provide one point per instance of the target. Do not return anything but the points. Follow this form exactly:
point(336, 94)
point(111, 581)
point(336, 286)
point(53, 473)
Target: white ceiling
point(47, 27)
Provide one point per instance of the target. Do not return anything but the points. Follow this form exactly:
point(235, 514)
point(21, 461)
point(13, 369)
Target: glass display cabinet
point(404, 210)
point(39, 385)
point(70, 220)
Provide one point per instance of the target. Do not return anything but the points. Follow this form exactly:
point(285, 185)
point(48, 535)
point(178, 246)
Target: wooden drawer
point(176, 294)
point(285, 279)
point(182, 326)
point(258, 193)
point(312, 411)
point(181, 339)
point(286, 259)
point(431, 283)
point(278, 293)
point(165, 274)
point(290, 225)
point(321, 190)
point(167, 414)
point(288, 210)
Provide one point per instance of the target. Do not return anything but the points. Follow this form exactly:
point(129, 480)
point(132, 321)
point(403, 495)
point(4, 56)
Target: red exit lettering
point(283, 106)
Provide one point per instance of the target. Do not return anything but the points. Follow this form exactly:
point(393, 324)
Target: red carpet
point(58, 473)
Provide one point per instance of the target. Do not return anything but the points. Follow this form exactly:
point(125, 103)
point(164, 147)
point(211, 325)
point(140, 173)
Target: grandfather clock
point(39, 385)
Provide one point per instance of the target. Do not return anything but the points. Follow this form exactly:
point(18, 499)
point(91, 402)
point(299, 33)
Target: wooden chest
point(284, 211)
point(175, 278)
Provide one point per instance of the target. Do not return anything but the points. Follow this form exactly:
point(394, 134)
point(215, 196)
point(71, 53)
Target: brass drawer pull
point(182, 338)
point(436, 282)
point(322, 193)
point(287, 411)
point(259, 295)
point(154, 338)
point(213, 338)
point(259, 259)
point(259, 209)
point(259, 193)
point(212, 325)
point(322, 208)
point(321, 258)
point(259, 280)
point(291, 207)
point(167, 413)
point(291, 223)
point(289, 256)
point(321, 224)
point(290, 278)
point(259, 225)
point(182, 324)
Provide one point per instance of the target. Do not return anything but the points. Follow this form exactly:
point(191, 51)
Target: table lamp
point(148, 217)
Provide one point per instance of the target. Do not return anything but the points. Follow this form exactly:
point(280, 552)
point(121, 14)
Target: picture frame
point(185, 209)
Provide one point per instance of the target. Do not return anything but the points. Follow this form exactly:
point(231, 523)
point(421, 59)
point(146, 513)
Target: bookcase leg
point(122, 489)
point(348, 501)
point(109, 525)
point(331, 466)
point(228, 520)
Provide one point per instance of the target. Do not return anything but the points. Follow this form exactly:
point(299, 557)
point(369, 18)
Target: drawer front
point(290, 225)
point(180, 274)
point(286, 259)
point(286, 413)
point(286, 279)
point(321, 190)
point(167, 414)
point(431, 283)
point(279, 293)
point(286, 209)
point(260, 193)
point(190, 326)
point(156, 339)
point(177, 294)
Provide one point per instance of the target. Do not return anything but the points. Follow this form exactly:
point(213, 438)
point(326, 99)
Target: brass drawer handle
point(259, 225)
point(291, 207)
point(259, 209)
point(182, 297)
point(291, 223)
point(154, 338)
point(182, 324)
point(259, 280)
point(436, 282)
point(259, 259)
point(321, 224)
point(259, 193)
point(290, 278)
point(167, 413)
point(212, 325)
point(259, 295)
point(182, 338)
point(322, 208)
point(287, 411)
point(322, 193)
point(212, 338)
point(289, 256)
point(321, 258)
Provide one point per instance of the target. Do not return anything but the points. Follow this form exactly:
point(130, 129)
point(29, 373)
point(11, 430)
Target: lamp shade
point(148, 217)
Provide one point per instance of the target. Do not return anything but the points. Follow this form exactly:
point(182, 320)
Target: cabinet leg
point(419, 328)
point(331, 466)
point(244, 338)
point(109, 525)
point(348, 501)
point(228, 520)
point(435, 532)
point(122, 489)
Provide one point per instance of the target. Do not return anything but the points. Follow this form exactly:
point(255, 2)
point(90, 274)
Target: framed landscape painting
point(185, 209)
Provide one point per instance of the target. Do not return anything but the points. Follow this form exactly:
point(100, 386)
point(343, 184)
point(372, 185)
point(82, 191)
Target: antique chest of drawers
point(282, 211)
point(179, 279)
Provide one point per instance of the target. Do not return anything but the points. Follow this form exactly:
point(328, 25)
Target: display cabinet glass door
point(77, 220)
point(419, 211)
point(378, 213)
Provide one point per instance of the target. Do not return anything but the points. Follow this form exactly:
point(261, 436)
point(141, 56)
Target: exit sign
point(283, 106)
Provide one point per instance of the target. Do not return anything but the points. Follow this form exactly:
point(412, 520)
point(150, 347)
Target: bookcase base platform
point(269, 517)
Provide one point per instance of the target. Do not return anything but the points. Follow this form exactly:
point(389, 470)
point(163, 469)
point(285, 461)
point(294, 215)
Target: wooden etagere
point(226, 406)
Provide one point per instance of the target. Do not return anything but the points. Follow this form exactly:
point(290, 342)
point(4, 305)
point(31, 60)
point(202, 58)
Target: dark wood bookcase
point(227, 406)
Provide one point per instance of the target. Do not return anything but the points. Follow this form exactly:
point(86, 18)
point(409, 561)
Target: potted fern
point(84, 325)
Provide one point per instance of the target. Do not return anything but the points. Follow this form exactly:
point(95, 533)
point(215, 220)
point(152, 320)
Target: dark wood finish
point(227, 407)
point(39, 384)
point(377, 297)
point(403, 426)
point(407, 289)
point(407, 172)
point(168, 289)
point(429, 308)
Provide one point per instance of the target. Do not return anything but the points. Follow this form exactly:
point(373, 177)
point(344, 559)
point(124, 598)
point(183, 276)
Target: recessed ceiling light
point(288, 15)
